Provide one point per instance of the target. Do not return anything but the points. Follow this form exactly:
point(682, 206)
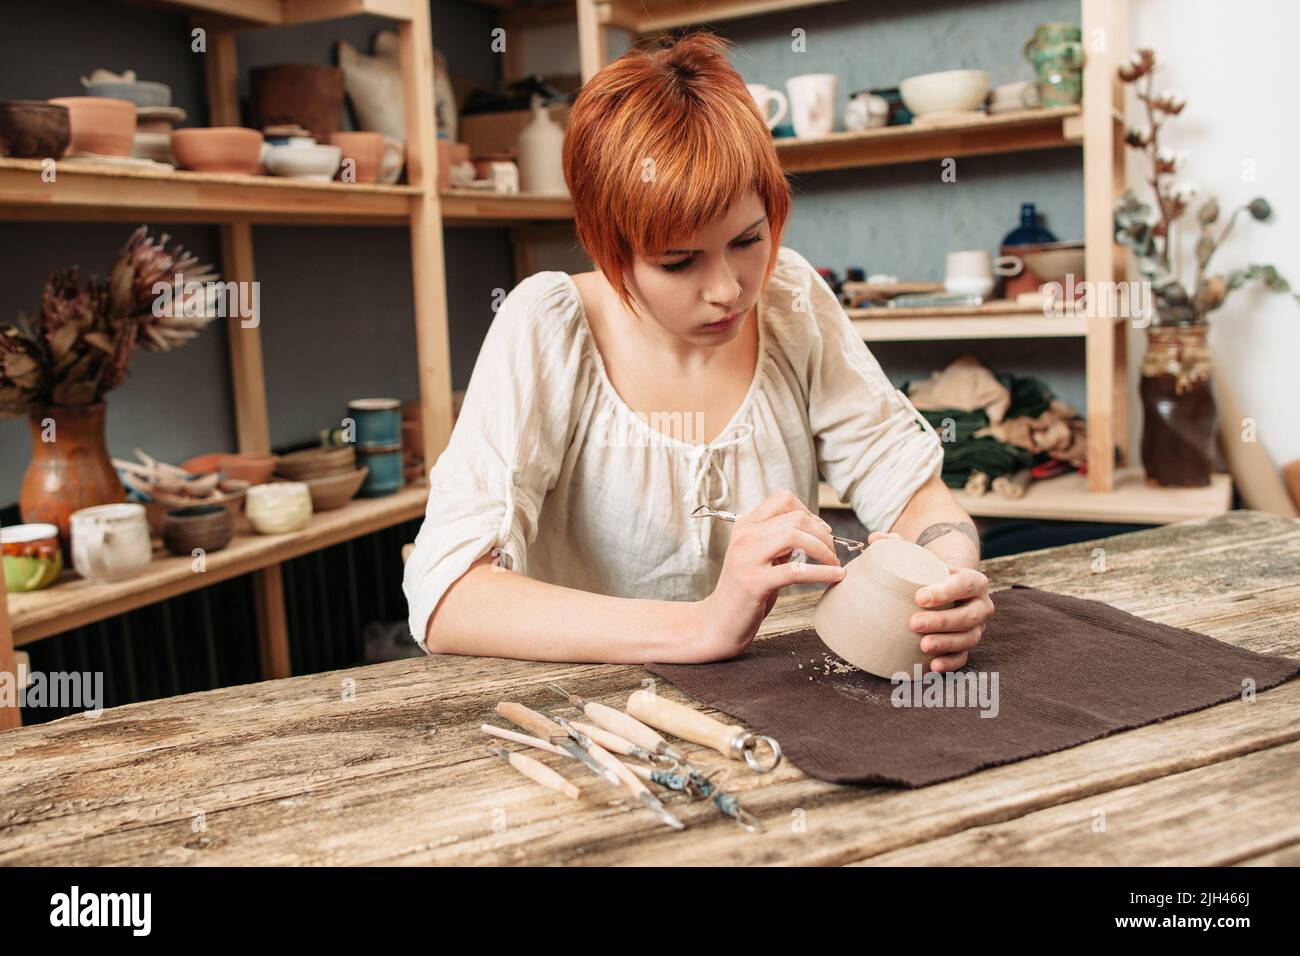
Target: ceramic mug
point(387, 471)
point(971, 272)
point(762, 96)
point(110, 541)
point(864, 618)
point(812, 103)
point(379, 421)
point(377, 157)
point(279, 507)
point(32, 557)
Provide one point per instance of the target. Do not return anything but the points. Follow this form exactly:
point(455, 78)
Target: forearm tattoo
point(939, 530)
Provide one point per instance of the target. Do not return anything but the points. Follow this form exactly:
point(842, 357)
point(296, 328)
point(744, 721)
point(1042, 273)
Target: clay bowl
point(99, 124)
point(140, 92)
point(317, 463)
point(256, 469)
point(334, 491)
point(231, 493)
point(220, 149)
point(202, 464)
point(864, 618)
point(205, 527)
point(30, 129)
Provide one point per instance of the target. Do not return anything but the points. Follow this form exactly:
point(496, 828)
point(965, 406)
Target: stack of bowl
point(330, 474)
point(379, 443)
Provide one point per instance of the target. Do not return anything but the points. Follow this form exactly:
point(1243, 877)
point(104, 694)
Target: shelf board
point(473, 207)
point(886, 145)
point(274, 13)
point(1067, 498)
point(647, 16)
point(993, 320)
point(99, 193)
point(74, 602)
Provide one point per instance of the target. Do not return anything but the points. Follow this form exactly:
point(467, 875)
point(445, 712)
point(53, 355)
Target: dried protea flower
point(145, 266)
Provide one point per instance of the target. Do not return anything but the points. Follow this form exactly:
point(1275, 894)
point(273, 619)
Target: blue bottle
point(1029, 232)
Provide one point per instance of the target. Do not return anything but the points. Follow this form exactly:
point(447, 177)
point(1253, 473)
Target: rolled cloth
point(1067, 671)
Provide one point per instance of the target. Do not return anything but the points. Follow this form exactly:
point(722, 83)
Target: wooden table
point(385, 764)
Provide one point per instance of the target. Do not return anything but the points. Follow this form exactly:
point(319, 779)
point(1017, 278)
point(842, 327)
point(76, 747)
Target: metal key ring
point(744, 747)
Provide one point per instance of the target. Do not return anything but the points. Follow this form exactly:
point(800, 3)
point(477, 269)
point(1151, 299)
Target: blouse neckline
point(720, 439)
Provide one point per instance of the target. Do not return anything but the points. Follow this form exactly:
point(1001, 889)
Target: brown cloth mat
point(1068, 671)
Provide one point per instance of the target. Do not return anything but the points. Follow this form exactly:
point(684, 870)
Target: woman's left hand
point(950, 634)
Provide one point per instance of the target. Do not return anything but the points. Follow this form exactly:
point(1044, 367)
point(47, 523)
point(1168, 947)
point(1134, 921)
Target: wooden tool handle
point(530, 720)
point(544, 775)
point(609, 761)
point(629, 728)
point(682, 721)
point(611, 742)
point(519, 738)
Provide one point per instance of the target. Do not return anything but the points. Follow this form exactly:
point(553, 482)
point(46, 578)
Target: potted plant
point(1177, 400)
point(57, 366)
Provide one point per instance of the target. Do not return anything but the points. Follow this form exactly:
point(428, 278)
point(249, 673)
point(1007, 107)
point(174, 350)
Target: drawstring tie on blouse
point(705, 465)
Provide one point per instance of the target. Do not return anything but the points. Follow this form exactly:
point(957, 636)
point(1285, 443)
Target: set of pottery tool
point(608, 734)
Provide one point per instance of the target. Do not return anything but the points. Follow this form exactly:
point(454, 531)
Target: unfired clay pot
point(99, 124)
point(864, 618)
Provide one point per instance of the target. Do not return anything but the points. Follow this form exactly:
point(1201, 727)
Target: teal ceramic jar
point(378, 421)
point(385, 464)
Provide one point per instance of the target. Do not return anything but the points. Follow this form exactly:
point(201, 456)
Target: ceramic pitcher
point(1056, 51)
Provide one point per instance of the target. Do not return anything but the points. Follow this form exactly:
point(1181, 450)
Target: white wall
point(1236, 64)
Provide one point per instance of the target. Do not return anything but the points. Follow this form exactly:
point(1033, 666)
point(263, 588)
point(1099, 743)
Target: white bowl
point(317, 162)
point(950, 90)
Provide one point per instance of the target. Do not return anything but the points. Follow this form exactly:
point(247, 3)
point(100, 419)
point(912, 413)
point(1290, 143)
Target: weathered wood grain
point(385, 764)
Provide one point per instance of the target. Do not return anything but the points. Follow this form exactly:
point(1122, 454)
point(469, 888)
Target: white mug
point(971, 272)
point(812, 103)
point(110, 541)
point(762, 96)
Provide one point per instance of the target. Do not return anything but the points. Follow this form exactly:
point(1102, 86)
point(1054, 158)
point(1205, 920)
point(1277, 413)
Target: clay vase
point(1178, 409)
point(864, 618)
point(307, 95)
point(71, 472)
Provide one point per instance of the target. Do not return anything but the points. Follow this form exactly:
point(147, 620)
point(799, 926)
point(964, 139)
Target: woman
point(701, 363)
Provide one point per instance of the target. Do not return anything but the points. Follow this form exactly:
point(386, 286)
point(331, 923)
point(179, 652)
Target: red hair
point(659, 144)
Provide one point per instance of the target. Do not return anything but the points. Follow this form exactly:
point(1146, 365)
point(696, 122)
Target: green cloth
point(963, 453)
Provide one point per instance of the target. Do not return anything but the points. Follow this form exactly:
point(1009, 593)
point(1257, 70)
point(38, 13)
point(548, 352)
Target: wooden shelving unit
point(88, 193)
point(74, 602)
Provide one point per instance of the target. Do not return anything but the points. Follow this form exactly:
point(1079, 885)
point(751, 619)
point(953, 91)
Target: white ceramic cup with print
point(971, 272)
point(110, 541)
point(762, 96)
point(812, 103)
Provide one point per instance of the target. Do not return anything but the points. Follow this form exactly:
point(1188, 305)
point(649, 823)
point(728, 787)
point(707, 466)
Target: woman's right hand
point(758, 565)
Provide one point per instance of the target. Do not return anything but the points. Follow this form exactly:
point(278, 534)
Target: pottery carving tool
point(538, 772)
point(704, 511)
point(629, 780)
point(519, 738)
point(696, 786)
point(733, 742)
point(629, 728)
point(549, 730)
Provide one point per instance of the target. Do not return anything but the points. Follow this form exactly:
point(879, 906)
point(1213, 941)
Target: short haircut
point(659, 144)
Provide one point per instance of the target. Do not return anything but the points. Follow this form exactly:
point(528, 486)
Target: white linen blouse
point(549, 465)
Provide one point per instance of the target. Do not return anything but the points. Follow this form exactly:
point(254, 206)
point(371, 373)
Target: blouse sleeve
point(874, 448)
point(487, 487)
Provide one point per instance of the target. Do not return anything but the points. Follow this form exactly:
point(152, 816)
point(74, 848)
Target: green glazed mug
point(32, 557)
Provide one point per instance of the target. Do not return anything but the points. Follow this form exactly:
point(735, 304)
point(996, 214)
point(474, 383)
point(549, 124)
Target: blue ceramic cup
point(385, 464)
point(379, 421)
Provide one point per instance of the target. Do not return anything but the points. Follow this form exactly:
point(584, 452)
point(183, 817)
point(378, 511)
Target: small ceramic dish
point(230, 494)
point(30, 129)
point(139, 92)
point(334, 491)
point(314, 162)
point(279, 507)
point(317, 462)
point(219, 149)
point(199, 527)
point(256, 469)
point(99, 125)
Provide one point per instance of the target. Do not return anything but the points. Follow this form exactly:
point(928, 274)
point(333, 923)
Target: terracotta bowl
point(209, 527)
point(317, 463)
point(30, 129)
point(220, 149)
point(99, 124)
point(255, 469)
point(232, 493)
point(202, 464)
point(334, 491)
